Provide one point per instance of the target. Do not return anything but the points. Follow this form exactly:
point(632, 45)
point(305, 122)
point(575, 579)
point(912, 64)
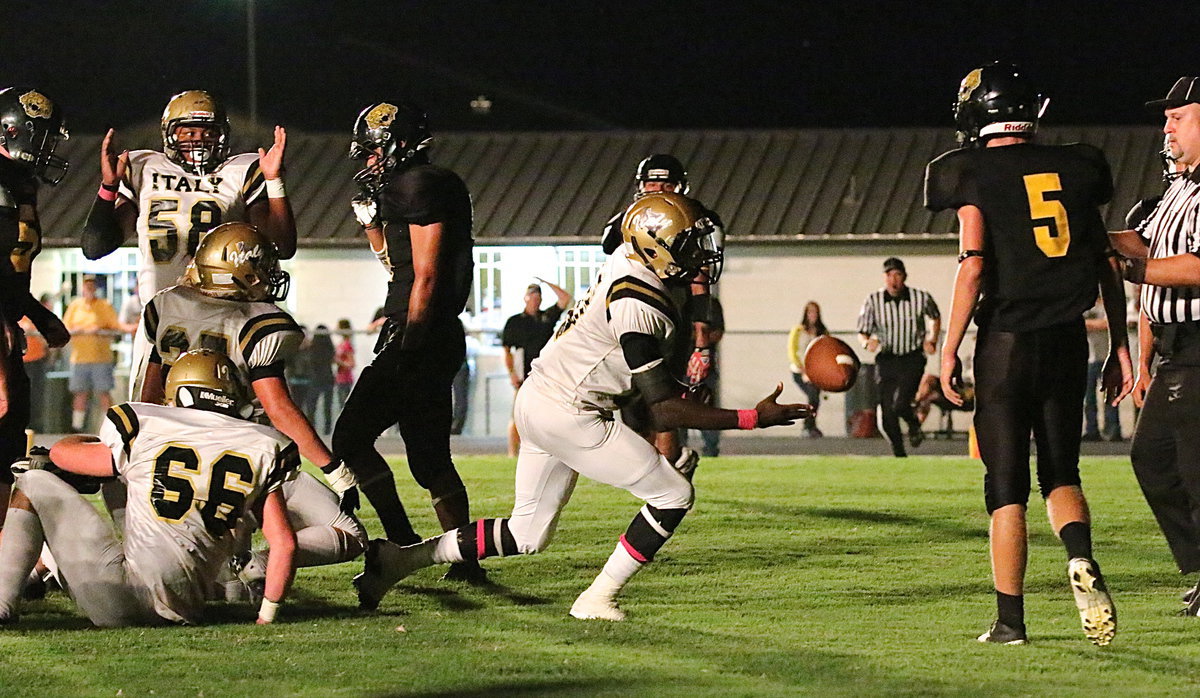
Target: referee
point(893, 323)
point(1163, 254)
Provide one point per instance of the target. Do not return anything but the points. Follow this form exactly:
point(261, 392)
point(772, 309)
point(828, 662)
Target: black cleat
point(467, 571)
point(1002, 634)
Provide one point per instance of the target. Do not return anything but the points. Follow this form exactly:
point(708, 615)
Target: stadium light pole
point(252, 64)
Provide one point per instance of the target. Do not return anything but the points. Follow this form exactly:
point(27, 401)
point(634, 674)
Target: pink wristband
point(747, 419)
point(106, 194)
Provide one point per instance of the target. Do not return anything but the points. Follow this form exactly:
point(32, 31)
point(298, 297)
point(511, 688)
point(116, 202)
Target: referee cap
point(1186, 90)
point(893, 264)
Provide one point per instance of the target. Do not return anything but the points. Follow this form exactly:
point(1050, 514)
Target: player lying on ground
point(612, 345)
point(194, 467)
point(226, 303)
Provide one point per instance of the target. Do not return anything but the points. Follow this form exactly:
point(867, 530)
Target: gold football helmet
point(675, 237)
point(207, 380)
point(196, 108)
point(235, 261)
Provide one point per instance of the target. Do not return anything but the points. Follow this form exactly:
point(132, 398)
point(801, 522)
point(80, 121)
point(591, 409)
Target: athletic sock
point(444, 548)
point(19, 550)
point(617, 571)
point(77, 419)
point(1010, 609)
point(1077, 538)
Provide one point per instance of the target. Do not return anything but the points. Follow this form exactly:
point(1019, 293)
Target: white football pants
point(559, 443)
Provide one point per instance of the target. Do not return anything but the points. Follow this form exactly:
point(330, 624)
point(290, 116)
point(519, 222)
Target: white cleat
point(593, 606)
point(1096, 610)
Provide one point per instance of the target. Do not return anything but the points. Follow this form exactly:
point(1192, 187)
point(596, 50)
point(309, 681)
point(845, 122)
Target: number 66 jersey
point(176, 207)
point(191, 475)
point(1044, 236)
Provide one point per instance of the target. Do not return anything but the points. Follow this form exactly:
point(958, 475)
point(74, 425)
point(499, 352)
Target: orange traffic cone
point(972, 444)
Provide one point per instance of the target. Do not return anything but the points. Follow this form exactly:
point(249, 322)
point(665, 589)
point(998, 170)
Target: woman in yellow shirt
point(799, 338)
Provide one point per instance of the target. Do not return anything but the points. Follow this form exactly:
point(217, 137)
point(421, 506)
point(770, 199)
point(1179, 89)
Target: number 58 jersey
point(1044, 238)
point(191, 476)
point(176, 207)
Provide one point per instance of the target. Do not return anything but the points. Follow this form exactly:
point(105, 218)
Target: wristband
point(267, 611)
point(331, 466)
point(106, 194)
point(747, 419)
point(275, 189)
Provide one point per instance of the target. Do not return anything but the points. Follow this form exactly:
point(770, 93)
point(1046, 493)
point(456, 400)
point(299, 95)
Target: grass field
point(792, 576)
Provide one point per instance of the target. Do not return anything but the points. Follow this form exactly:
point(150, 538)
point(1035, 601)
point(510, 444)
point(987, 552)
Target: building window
point(486, 293)
point(578, 268)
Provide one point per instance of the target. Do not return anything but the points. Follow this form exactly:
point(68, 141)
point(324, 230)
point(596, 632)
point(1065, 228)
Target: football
point(830, 364)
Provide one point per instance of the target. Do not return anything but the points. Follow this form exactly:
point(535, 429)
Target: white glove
point(687, 462)
point(366, 210)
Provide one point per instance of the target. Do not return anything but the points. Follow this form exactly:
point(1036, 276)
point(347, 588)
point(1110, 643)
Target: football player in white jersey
point(194, 468)
point(613, 344)
point(167, 199)
point(225, 304)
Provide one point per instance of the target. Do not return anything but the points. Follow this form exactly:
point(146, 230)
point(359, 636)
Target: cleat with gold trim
point(1096, 610)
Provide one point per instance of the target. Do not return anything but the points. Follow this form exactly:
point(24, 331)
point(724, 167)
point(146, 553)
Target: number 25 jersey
point(191, 476)
point(1044, 238)
point(175, 207)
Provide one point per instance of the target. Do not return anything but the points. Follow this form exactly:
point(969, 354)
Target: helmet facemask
point(196, 109)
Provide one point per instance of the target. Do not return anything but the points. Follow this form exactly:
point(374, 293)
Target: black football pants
point(1166, 459)
point(410, 389)
point(1029, 382)
point(898, 377)
point(13, 424)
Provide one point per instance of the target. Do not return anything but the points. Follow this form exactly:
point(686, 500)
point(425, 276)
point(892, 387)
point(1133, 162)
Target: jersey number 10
point(1053, 240)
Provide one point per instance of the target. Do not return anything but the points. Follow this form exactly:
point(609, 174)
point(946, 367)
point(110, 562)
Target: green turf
point(793, 576)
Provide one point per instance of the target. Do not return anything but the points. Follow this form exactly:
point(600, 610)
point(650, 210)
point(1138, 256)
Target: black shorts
point(1029, 382)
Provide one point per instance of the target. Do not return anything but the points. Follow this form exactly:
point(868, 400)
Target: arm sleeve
point(254, 188)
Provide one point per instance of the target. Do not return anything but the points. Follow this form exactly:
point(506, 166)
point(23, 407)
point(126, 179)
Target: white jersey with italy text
point(174, 207)
point(191, 475)
point(584, 364)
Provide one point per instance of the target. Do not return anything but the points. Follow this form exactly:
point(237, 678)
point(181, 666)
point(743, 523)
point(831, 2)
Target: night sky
point(598, 65)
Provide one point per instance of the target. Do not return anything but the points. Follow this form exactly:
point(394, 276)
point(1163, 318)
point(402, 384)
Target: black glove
point(1134, 269)
point(349, 501)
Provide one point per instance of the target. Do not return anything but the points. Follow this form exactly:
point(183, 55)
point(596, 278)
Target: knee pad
point(650, 530)
point(1013, 491)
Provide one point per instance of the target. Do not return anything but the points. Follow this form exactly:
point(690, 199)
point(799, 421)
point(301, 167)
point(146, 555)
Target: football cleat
point(1002, 634)
point(1096, 610)
point(591, 605)
point(384, 564)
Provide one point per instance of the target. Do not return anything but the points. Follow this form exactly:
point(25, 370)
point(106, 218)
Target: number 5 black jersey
point(1044, 237)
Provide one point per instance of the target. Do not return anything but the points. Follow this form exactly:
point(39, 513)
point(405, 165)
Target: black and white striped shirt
point(898, 322)
point(1173, 228)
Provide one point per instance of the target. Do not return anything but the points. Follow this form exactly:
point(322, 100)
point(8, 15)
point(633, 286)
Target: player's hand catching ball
point(773, 414)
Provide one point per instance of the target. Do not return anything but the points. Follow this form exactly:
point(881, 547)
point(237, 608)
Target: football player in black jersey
point(31, 125)
point(657, 173)
point(418, 218)
point(1033, 252)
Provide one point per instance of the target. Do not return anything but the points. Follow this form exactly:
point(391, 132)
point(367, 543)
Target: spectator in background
point(320, 380)
point(298, 372)
point(92, 322)
point(811, 326)
point(1097, 333)
point(131, 312)
point(343, 358)
point(529, 331)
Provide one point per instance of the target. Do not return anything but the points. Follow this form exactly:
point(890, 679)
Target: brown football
point(830, 364)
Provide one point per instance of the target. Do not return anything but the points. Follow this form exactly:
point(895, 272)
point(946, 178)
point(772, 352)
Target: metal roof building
point(795, 186)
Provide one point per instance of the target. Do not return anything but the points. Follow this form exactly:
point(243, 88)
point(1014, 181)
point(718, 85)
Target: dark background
point(599, 65)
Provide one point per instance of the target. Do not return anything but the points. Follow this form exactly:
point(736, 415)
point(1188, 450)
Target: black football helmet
point(996, 100)
point(31, 126)
point(661, 167)
point(395, 132)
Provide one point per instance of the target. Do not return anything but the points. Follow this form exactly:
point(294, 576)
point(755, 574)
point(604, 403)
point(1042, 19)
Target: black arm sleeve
point(654, 383)
point(101, 232)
